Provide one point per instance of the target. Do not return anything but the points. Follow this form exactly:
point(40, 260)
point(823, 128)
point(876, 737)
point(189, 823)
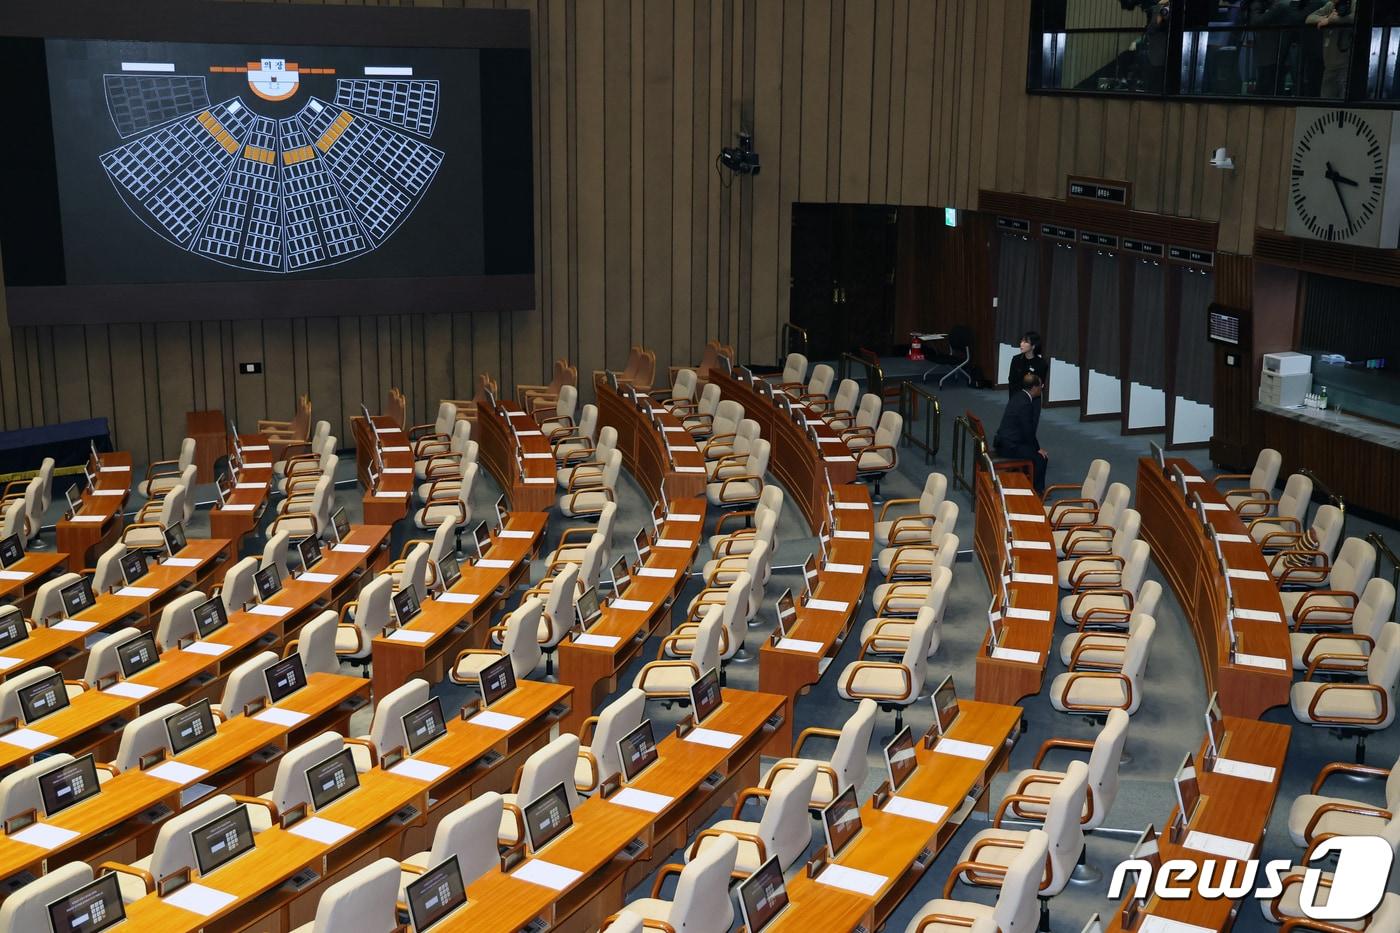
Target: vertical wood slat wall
point(640, 240)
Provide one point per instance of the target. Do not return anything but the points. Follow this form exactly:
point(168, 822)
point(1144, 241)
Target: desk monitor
point(43, 698)
point(993, 625)
point(341, 524)
point(765, 388)
point(93, 907)
point(824, 542)
point(424, 725)
point(481, 539)
point(900, 760)
point(763, 896)
point(222, 484)
point(1145, 849)
point(175, 539)
point(546, 817)
point(12, 629)
point(77, 597)
point(189, 726)
point(68, 784)
point(309, 550)
point(809, 578)
point(587, 608)
point(435, 894)
point(284, 678)
point(134, 566)
point(705, 695)
point(332, 778)
point(658, 518)
point(1181, 485)
point(629, 392)
point(1215, 726)
point(210, 616)
point(841, 821)
point(784, 403)
point(497, 680)
point(502, 513)
point(1199, 506)
point(268, 582)
point(642, 544)
point(621, 575)
point(449, 571)
point(945, 705)
point(222, 839)
point(74, 495)
point(1188, 790)
point(637, 750)
point(406, 605)
point(137, 654)
point(665, 501)
point(787, 612)
point(1159, 455)
point(11, 551)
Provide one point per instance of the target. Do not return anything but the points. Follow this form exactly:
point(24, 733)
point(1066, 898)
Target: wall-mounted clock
point(1339, 176)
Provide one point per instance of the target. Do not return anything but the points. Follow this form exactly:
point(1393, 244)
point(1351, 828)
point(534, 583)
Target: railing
point(1321, 488)
point(792, 330)
point(909, 394)
point(963, 469)
point(1377, 542)
point(844, 370)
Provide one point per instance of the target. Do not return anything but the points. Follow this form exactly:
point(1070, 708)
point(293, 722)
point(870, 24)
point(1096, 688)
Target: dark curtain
point(1355, 319)
point(1018, 288)
point(1105, 321)
point(1062, 331)
point(1195, 356)
point(1148, 360)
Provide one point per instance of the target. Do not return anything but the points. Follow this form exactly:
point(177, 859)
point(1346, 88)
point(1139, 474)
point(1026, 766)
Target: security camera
point(741, 159)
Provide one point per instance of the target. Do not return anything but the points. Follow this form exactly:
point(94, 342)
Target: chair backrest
point(321, 500)
point(469, 832)
point(612, 468)
point(1103, 764)
point(321, 439)
point(108, 572)
point(795, 368)
point(745, 435)
point(588, 422)
point(142, 736)
point(847, 393)
point(9, 691)
point(590, 568)
point(446, 418)
point(765, 525)
point(1326, 530)
point(940, 583)
point(172, 507)
point(935, 491)
point(1136, 651)
point(238, 584)
point(728, 414)
point(275, 552)
point(850, 759)
point(174, 848)
point(869, 411)
point(757, 464)
point(1384, 666)
point(19, 790)
point(461, 436)
point(372, 611)
point(945, 520)
point(1129, 524)
point(887, 432)
point(1135, 565)
point(1017, 908)
point(45, 479)
point(947, 552)
point(735, 612)
point(615, 720)
point(683, 389)
point(289, 788)
point(316, 644)
point(568, 402)
point(758, 567)
point(27, 907)
point(362, 901)
point(553, 764)
point(607, 443)
point(709, 401)
point(415, 570)
point(1115, 501)
point(1353, 566)
point(559, 606)
point(245, 683)
point(915, 659)
point(701, 902)
point(1266, 467)
point(1374, 608)
point(102, 657)
point(1063, 826)
point(606, 518)
point(386, 728)
point(443, 542)
point(1297, 493)
point(770, 501)
point(34, 505)
point(704, 648)
point(521, 641)
point(786, 829)
point(823, 376)
point(470, 471)
point(48, 604)
point(12, 522)
point(187, 480)
point(1095, 481)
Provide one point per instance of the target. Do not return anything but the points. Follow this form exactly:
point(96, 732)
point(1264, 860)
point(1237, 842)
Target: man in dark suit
point(1015, 438)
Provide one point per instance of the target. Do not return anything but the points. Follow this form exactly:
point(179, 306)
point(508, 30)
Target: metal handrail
point(962, 430)
point(909, 394)
point(845, 369)
point(789, 329)
point(1320, 487)
point(1377, 542)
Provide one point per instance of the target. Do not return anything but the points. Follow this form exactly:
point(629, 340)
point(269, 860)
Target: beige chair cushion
point(1347, 824)
point(1092, 601)
point(875, 682)
point(1299, 642)
point(1336, 702)
point(911, 532)
point(1088, 691)
point(665, 678)
point(822, 791)
point(1036, 789)
point(1088, 570)
point(1108, 639)
point(1314, 606)
point(911, 595)
point(969, 909)
point(470, 667)
point(748, 861)
point(742, 491)
point(1082, 546)
point(908, 559)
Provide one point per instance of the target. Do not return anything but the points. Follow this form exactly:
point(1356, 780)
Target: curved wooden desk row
point(23, 579)
point(238, 517)
point(389, 501)
point(1028, 624)
point(1260, 675)
point(513, 448)
point(652, 456)
point(98, 521)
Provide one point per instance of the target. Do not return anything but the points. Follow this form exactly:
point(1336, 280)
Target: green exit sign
point(950, 216)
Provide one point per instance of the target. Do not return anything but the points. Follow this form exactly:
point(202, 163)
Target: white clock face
point(1337, 178)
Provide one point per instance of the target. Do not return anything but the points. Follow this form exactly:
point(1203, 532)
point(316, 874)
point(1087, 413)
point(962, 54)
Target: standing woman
point(1029, 360)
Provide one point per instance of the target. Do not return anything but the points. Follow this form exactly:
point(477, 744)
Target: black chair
point(958, 356)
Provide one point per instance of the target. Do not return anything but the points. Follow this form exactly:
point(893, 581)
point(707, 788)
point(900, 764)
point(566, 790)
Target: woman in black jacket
point(1029, 360)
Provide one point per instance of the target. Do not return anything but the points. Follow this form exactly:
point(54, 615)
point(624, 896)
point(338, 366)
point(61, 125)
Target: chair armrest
point(1336, 807)
point(368, 746)
point(267, 805)
point(973, 870)
point(516, 812)
point(857, 666)
point(1347, 767)
point(1082, 535)
point(950, 920)
point(812, 732)
point(665, 872)
point(592, 762)
point(733, 480)
point(872, 448)
point(750, 838)
point(1094, 707)
point(746, 514)
point(1010, 800)
point(1350, 720)
point(747, 794)
point(140, 874)
point(1084, 745)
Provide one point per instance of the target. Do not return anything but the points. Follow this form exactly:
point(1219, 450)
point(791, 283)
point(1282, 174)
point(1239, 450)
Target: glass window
point(1103, 45)
point(1347, 331)
point(1267, 48)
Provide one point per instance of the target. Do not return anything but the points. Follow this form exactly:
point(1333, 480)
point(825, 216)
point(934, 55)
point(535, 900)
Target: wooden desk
point(651, 456)
point(592, 669)
point(454, 626)
point(1187, 559)
point(246, 503)
point(389, 501)
point(698, 779)
point(518, 455)
point(41, 566)
point(1000, 680)
point(210, 435)
point(98, 522)
point(901, 848)
point(1234, 807)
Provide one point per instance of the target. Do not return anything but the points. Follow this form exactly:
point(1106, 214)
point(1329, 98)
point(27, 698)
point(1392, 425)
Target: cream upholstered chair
point(581, 441)
point(1082, 540)
point(915, 555)
point(312, 450)
point(9, 690)
point(744, 488)
point(1365, 706)
point(734, 550)
point(447, 464)
point(1313, 814)
point(1111, 594)
point(731, 457)
point(315, 643)
point(1332, 604)
point(143, 736)
point(849, 763)
point(574, 540)
point(1302, 560)
point(244, 685)
point(557, 618)
point(362, 619)
point(907, 597)
point(107, 575)
point(161, 475)
point(669, 678)
point(306, 513)
point(1015, 910)
point(742, 540)
point(680, 397)
point(1096, 568)
point(386, 727)
point(364, 900)
point(590, 490)
point(302, 472)
point(785, 829)
point(818, 393)
point(841, 413)
point(275, 553)
point(12, 522)
point(1095, 692)
point(19, 790)
point(237, 588)
point(794, 373)
point(1347, 649)
point(1081, 509)
point(599, 759)
point(591, 461)
point(551, 765)
point(1288, 513)
point(102, 657)
point(447, 475)
point(558, 420)
point(862, 425)
point(1105, 754)
point(881, 455)
point(27, 907)
point(449, 505)
point(1261, 480)
point(1098, 649)
point(701, 902)
point(735, 601)
point(890, 634)
point(436, 437)
point(469, 833)
point(412, 569)
point(590, 566)
point(698, 421)
point(48, 599)
point(30, 501)
point(910, 528)
point(147, 532)
point(892, 684)
point(289, 787)
point(423, 571)
point(728, 415)
point(519, 641)
point(1285, 908)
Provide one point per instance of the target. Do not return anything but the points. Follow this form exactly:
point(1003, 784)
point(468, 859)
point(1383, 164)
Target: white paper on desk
point(1259, 660)
point(852, 535)
point(181, 562)
point(1257, 615)
point(391, 494)
point(1194, 479)
point(1233, 539)
point(390, 430)
point(799, 644)
point(462, 599)
point(73, 625)
point(1032, 615)
point(839, 459)
point(211, 648)
point(267, 609)
point(830, 440)
point(409, 636)
point(916, 809)
point(974, 750)
point(1030, 545)
point(493, 564)
point(253, 447)
point(664, 573)
point(493, 720)
point(1032, 578)
point(321, 830)
point(689, 449)
point(16, 574)
point(1223, 846)
point(630, 605)
point(1244, 769)
point(685, 517)
point(597, 641)
point(1018, 492)
point(46, 836)
point(199, 899)
point(641, 800)
point(539, 481)
point(396, 450)
point(281, 717)
point(177, 772)
point(673, 543)
point(129, 690)
point(673, 428)
point(419, 770)
point(29, 739)
point(127, 469)
point(713, 738)
point(1215, 507)
point(95, 518)
point(397, 471)
point(830, 605)
point(844, 568)
point(1248, 574)
point(547, 874)
point(529, 433)
point(853, 506)
point(1016, 654)
point(137, 592)
point(237, 507)
point(1151, 924)
point(515, 533)
point(852, 879)
point(249, 485)
point(690, 469)
point(318, 578)
point(108, 492)
point(350, 548)
point(7, 663)
point(1026, 516)
point(517, 414)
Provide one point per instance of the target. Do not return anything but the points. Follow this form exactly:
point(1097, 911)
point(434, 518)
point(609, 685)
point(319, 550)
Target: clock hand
point(1341, 200)
point(1335, 176)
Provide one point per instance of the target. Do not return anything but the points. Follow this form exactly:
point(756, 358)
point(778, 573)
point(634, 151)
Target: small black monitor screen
point(268, 581)
point(637, 749)
point(284, 678)
point(43, 698)
point(705, 695)
point(10, 551)
point(502, 513)
point(547, 817)
point(223, 839)
point(900, 758)
point(449, 571)
point(620, 576)
point(341, 524)
point(497, 680)
point(190, 726)
point(210, 616)
point(481, 539)
point(436, 893)
point(77, 596)
point(787, 611)
point(809, 576)
point(309, 550)
point(406, 606)
point(763, 895)
point(91, 908)
point(945, 705)
point(175, 538)
point(133, 567)
point(137, 654)
point(841, 820)
point(68, 784)
point(424, 724)
point(332, 779)
point(1188, 789)
point(587, 607)
point(12, 629)
point(643, 545)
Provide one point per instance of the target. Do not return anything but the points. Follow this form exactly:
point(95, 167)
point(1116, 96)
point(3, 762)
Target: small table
point(210, 440)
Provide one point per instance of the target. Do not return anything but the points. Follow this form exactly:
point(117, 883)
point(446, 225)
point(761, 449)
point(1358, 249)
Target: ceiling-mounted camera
point(741, 159)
